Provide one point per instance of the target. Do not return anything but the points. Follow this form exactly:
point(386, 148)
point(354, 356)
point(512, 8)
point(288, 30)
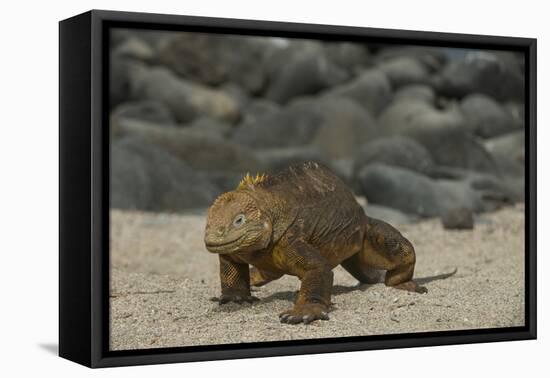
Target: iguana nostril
point(220, 231)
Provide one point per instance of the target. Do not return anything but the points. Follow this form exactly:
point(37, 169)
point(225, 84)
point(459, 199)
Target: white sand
point(163, 278)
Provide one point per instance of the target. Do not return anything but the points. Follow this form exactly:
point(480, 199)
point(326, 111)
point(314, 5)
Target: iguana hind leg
point(385, 248)
point(361, 272)
point(260, 277)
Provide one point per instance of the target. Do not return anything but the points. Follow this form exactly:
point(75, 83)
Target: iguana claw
point(305, 313)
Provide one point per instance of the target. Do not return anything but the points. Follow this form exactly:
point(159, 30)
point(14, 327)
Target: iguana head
point(236, 224)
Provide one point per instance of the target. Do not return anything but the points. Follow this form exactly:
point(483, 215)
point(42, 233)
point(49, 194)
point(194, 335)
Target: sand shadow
point(290, 295)
point(425, 280)
point(341, 289)
point(52, 348)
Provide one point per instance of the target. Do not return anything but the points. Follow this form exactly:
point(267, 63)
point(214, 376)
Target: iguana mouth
point(219, 247)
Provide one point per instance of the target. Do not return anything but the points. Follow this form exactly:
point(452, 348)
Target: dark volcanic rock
point(123, 71)
point(344, 128)
point(336, 125)
point(187, 100)
point(389, 215)
point(455, 147)
point(197, 149)
point(508, 151)
point(149, 111)
point(401, 189)
point(371, 89)
point(443, 132)
point(404, 71)
point(293, 125)
point(418, 92)
point(237, 94)
point(214, 59)
point(433, 58)
point(343, 168)
point(487, 118)
point(153, 38)
point(302, 68)
point(397, 151)
point(517, 110)
point(277, 159)
point(415, 193)
point(259, 109)
point(210, 127)
point(121, 127)
point(144, 177)
point(491, 191)
point(134, 48)
point(225, 181)
point(350, 56)
point(483, 72)
point(458, 219)
point(408, 116)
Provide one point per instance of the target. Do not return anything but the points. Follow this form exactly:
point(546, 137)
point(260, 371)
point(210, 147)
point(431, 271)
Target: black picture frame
point(84, 189)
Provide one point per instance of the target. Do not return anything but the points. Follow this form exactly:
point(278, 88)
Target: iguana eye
point(239, 220)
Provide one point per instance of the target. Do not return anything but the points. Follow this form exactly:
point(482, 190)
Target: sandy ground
point(163, 277)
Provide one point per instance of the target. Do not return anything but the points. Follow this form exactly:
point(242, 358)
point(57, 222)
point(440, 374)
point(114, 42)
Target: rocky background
point(417, 131)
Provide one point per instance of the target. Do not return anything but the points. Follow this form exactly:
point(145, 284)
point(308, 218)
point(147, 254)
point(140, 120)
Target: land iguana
point(303, 221)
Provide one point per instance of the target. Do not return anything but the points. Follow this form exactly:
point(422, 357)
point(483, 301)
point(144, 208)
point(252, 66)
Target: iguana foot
point(305, 313)
point(411, 286)
point(226, 298)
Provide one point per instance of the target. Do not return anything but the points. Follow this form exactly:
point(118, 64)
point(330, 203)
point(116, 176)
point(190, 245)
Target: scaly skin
point(303, 222)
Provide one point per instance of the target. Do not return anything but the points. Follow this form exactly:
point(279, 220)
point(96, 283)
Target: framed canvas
point(234, 188)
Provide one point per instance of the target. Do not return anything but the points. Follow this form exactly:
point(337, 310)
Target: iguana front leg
point(235, 282)
point(305, 262)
